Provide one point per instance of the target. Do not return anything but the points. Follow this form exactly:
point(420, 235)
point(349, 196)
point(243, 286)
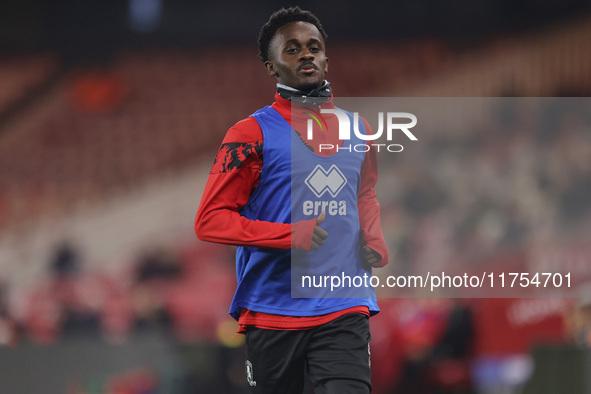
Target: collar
point(288, 106)
point(315, 96)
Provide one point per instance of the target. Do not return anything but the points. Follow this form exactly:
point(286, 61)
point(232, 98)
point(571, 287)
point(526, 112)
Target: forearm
point(218, 218)
point(225, 226)
point(370, 225)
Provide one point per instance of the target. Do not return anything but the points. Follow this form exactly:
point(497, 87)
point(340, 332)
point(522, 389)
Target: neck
point(317, 95)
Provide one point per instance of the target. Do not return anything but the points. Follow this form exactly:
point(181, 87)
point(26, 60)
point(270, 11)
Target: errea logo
point(321, 181)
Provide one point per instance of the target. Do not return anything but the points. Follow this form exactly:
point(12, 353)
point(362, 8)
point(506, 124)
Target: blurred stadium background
point(110, 116)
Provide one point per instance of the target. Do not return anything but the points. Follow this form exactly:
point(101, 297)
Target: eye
point(291, 50)
point(314, 49)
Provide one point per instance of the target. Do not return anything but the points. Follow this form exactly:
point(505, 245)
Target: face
point(297, 56)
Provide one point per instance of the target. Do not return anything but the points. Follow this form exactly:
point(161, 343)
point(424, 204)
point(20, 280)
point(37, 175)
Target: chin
point(309, 85)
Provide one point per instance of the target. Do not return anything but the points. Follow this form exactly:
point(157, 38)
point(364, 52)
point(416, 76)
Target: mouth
point(308, 68)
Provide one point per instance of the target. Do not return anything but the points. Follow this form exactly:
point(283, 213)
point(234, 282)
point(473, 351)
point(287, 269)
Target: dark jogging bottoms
point(335, 356)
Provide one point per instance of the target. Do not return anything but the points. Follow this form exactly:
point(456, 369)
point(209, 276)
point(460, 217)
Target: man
point(253, 199)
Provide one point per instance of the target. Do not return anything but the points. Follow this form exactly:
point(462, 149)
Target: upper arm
point(369, 168)
point(242, 147)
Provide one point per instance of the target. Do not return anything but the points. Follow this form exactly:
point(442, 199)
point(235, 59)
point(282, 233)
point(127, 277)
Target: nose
point(306, 54)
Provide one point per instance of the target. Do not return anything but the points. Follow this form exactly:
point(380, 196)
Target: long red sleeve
point(233, 177)
point(369, 206)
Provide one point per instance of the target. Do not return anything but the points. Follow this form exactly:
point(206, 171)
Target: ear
point(326, 66)
point(270, 67)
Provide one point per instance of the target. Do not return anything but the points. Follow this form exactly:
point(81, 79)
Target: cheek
point(289, 72)
point(283, 67)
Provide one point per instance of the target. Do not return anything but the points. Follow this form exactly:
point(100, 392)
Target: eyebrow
point(296, 41)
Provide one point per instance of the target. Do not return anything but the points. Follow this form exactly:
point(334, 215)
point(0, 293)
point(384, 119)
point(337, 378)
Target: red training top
point(235, 175)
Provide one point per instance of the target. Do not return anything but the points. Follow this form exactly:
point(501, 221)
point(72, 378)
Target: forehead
point(298, 30)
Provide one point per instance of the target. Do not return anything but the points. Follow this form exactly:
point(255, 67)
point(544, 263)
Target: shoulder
point(247, 131)
point(362, 120)
point(365, 124)
point(242, 147)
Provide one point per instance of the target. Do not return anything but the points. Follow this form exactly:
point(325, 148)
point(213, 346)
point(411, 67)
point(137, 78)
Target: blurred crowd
point(164, 289)
point(517, 177)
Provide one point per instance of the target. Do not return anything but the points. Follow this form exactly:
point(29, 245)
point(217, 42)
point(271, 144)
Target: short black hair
point(281, 18)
